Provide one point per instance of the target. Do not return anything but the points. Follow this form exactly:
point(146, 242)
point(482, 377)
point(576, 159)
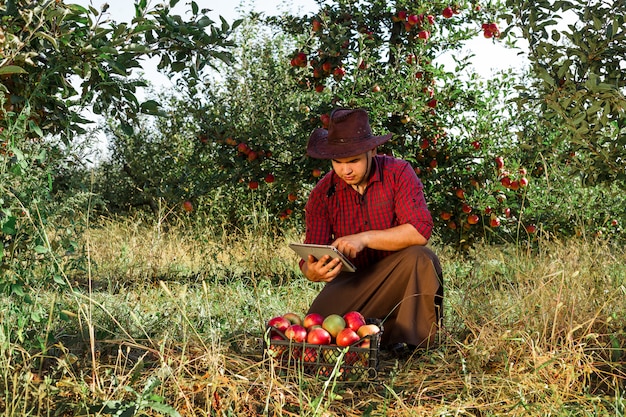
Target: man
point(372, 208)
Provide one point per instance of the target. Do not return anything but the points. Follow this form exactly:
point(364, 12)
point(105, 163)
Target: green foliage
point(577, 50)
point(45, 48)
point(46, 44)
point(235, 146)
point(37, 240)
point(232, 147)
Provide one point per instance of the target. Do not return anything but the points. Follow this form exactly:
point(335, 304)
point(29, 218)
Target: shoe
point(401, 350)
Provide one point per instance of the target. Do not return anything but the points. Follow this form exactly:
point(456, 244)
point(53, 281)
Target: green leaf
point(33, 127)
point(150, 107)
point(12, 69)
point(8, 227)
point(40, 249)
point(165, 409)
point(17, 289)
point(47, 37)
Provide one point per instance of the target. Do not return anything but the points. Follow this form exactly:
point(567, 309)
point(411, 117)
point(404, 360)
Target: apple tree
point(454, 127)
point(56, 60)
point(231, 146)
point(577, 52)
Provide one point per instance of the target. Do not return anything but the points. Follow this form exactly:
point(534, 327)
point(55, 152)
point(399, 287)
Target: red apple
point(367, 330)
point(325, 119)
point(448, 12)
point(494, 222)
point(243, 148)
point(280, 323)
point(466, 208)
point(347, 337)
point(445, 216)
point(293, 318)
point(523, 182)
point(531, 228)
point(506, 182)
point(188, 206)
point(424, 34)
point(339, 72)
point(354, 320)
point(252, 155)
point(317, 25)
point(500, 162)
point(253, 185)
point(312, 319)
point(473, 219)
point(318, 336)
point(460, 193)
point(269, 178)
point(316, 172)
point(432, 103)
point(296, 333)
point(292, 197)
point(334, 323)
point(310, 354)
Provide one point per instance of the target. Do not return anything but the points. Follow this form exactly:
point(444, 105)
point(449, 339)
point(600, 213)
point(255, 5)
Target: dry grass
point(178, 330)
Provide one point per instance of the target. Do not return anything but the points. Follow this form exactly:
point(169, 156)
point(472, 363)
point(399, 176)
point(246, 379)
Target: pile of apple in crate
point(344, 346)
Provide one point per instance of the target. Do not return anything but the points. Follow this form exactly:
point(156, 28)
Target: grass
point(170, 322)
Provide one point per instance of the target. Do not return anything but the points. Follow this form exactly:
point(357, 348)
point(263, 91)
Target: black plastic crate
point(353, 362)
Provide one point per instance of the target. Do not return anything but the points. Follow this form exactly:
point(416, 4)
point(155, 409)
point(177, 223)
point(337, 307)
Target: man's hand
point(351, 245)
point(323, 270)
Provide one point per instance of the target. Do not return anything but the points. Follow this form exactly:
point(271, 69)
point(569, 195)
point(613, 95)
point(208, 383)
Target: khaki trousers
point(405, 290)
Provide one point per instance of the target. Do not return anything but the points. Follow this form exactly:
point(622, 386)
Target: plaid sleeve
point(317, 217)
point(410, 202)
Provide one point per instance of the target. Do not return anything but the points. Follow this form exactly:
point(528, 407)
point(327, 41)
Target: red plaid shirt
point(393, 196)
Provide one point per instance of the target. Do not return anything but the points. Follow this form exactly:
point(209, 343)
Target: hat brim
point(318, 146)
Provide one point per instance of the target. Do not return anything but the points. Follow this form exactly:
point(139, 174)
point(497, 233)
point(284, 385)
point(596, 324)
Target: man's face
point(352, 169)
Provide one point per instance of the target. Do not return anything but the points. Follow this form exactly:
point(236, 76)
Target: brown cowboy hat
point(349, 134)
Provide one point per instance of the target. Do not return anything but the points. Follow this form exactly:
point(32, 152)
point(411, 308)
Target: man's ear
point(374, 151)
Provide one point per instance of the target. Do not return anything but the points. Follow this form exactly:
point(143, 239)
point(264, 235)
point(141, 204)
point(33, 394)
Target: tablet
point(318, 251)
